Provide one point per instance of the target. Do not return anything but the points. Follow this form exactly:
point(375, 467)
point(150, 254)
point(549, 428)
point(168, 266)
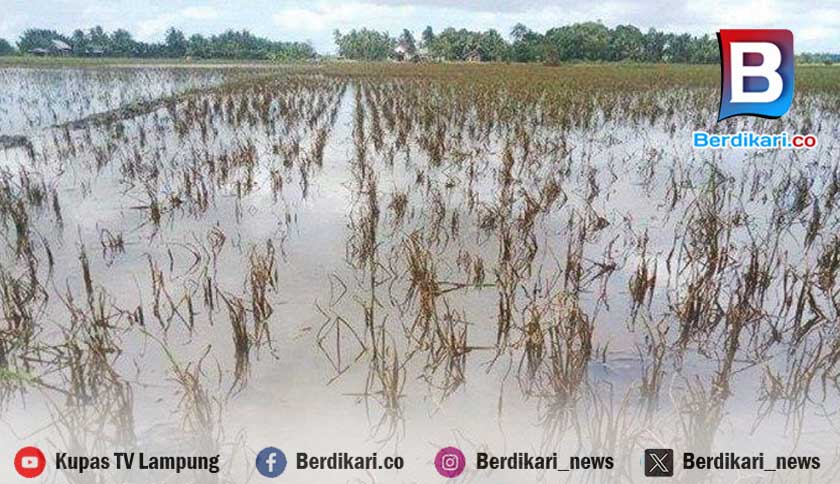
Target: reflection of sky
point(813, 23)
point(34, 100)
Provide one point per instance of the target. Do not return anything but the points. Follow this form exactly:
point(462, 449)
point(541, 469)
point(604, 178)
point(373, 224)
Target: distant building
point(56, 47)
point(60, 47)
point(472, 56)
point(406, 52)
point(401, 52)
point(94, 51)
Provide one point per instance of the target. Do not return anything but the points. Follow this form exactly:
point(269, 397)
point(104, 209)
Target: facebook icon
point(271, 462)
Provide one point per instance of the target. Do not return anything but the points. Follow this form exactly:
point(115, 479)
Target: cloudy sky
point(815, 24)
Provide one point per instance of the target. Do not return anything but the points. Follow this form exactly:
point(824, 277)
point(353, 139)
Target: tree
point(79, 42)
point(586, 41)
point(428, 36)
point(230, 44)
point(818, 58)
point(199, 46)
point(6, 48)
point(97, 37)
point(581, 41)
point(519, 31)
point(492, 46)
point(703, 50)
point(653, 46)
point(233, 44)
point(176, 43)
point(364, 44)
point(454, 44)
point(678, 48)
point(527, 44)
point(121, 44)
point(561, 44)
point(594, 40)
point(626, 43)
point(38, 39)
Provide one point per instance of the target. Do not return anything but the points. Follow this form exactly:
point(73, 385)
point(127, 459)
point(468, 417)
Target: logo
point(659, 462)
point(450, 462)
point(271, 462)
point(30, 462)
point(756, 72)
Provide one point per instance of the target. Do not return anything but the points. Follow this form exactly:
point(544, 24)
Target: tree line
point(120, 43)
point(585, 41)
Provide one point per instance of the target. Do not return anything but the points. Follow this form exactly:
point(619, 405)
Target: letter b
point(771, 61)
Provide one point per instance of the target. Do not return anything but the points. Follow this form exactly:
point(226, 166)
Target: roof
point(60, 45)
point(474, 53)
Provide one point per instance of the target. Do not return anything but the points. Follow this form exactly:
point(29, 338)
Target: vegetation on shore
point(578, 42)
point(59, 61)
point(96, 42)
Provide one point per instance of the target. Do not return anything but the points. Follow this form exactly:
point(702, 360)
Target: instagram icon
point(450, 462)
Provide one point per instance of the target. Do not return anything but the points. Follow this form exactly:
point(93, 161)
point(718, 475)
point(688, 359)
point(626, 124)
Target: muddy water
point(297, 393)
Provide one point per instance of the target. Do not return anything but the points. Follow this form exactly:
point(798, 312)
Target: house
point(95, 51)
point(407, 52)
point(404, 52)
point(55, 47)
point(401, 52)
point(473, 56)
point(59, 47)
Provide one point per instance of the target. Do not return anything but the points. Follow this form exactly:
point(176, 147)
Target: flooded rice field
point(395, 258)
point(36, 99)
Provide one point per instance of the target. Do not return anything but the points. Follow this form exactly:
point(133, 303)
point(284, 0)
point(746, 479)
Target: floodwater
point(291, 263)
point(37, 99)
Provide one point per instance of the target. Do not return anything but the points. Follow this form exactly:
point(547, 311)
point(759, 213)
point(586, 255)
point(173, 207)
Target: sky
point(815, 24)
